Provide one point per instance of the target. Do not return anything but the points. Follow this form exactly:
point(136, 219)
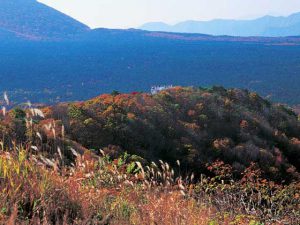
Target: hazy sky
point(133, 13)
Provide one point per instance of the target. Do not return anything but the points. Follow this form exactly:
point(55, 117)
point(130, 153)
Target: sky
point(134, 13)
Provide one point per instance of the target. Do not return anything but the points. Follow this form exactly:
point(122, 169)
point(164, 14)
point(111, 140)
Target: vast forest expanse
point(127, 61)
point(47, 57)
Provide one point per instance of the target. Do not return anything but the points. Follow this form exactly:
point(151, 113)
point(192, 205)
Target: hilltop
point(30, 19)
point(193, 125)
point(196, 126)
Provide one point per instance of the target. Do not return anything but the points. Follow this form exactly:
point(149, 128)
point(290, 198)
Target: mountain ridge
point(33, 20)
point(264, 26)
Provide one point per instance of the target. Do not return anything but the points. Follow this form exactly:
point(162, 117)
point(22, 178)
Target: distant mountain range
point(265, 26)
point(48, 57)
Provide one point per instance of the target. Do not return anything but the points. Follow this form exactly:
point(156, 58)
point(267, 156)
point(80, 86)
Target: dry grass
point(100, 191)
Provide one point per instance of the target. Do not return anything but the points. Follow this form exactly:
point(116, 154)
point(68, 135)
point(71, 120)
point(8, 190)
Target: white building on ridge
point(157, 89)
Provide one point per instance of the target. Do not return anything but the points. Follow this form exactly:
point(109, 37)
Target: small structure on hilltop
point(157, 89)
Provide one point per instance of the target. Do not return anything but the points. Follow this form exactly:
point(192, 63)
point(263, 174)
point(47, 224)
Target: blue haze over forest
point(46, 56)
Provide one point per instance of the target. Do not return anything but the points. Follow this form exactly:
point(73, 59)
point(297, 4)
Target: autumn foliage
point(192, 124)
point(183, 156)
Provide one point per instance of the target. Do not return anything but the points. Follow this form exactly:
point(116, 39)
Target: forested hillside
point(202, 154)
point(182, 156)
point(29, 19)
point(193, 125)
